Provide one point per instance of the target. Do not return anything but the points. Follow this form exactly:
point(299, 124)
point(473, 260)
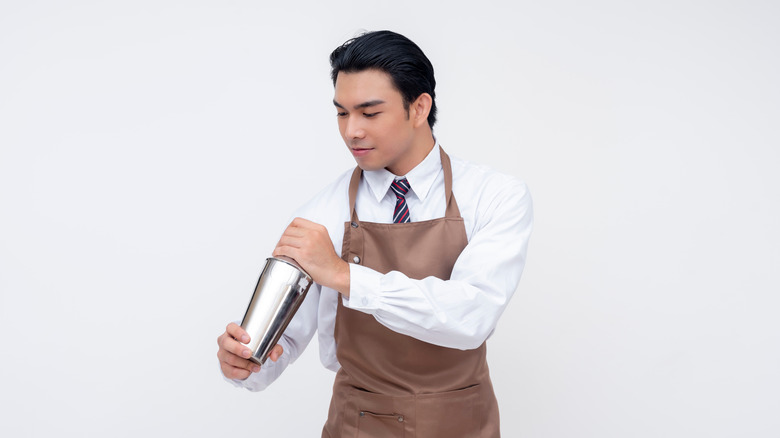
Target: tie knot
point(400, 187)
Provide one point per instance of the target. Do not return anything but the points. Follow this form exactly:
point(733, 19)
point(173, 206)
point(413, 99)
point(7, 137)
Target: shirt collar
point(421, 178)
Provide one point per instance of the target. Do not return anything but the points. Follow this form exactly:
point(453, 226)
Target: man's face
point(373, 121)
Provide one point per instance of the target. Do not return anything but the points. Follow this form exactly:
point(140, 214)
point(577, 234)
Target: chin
point(367, 165)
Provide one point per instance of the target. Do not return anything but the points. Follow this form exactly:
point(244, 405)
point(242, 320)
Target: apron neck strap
point(446, 166)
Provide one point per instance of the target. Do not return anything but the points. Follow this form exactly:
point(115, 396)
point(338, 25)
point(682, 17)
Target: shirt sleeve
point(294, 340)
point(463, 311)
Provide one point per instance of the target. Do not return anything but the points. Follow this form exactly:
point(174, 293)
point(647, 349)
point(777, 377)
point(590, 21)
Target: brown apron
point(393, 385)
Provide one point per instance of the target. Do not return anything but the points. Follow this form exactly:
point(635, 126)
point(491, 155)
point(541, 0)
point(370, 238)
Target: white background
point(152, 151)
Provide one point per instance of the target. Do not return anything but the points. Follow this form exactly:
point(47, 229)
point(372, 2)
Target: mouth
point(358, 152)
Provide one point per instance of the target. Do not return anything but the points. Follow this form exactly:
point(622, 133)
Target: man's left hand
point(310, 245)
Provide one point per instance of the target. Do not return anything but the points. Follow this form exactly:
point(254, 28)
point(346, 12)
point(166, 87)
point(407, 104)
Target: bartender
point(414, 254)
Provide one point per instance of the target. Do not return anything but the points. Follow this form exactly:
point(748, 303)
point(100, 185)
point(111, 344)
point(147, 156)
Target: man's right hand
point(234, 356)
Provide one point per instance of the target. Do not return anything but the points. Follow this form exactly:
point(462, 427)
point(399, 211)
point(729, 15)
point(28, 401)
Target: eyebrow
point(361, 105)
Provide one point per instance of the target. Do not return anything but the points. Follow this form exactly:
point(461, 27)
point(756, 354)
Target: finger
point(288, 251)
point(228, 358)
point(302, 223)
point(304, 226)
point(276, 353)
point(234, 347)
point(237, 332)
point(290, 240)
point(294, 230)
point(234, 373)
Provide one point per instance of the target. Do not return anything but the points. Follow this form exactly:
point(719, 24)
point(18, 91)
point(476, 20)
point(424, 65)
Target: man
point(414, 257)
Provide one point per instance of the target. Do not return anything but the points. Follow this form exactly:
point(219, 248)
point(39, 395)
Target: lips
point(359, 152)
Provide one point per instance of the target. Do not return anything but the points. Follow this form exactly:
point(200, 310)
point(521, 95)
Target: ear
point(419, 109)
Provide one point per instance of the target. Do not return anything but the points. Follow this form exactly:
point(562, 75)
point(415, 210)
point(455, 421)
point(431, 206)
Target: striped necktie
point(401, 213)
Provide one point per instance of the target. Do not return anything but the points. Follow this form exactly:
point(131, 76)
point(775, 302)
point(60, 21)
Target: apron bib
point(392, 385)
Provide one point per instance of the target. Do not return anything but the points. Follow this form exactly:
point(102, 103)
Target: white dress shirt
point(460, 312)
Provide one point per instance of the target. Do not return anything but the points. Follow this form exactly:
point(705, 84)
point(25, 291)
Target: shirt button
point(356, 259)
point(400, 419)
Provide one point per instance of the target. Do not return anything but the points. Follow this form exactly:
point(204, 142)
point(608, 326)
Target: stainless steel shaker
point(280, 290)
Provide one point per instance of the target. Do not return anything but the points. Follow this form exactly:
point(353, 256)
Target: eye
point(369, 115)
point(341, 114)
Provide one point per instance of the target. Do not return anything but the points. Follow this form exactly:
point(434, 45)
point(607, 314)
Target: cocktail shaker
point(280, 290)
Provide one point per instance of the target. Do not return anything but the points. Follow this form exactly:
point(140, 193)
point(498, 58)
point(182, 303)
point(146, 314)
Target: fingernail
point(256, 369)
point(246, 353)
point(244, 339)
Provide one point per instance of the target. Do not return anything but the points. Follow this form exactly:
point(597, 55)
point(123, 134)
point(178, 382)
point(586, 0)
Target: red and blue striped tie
point(401, 213)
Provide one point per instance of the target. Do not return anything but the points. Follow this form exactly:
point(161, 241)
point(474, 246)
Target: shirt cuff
point(364, 293)
point(260, 380)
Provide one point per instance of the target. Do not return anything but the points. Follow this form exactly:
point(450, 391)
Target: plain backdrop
point(151, 152)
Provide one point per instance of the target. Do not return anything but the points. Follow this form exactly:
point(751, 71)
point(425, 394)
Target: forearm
point(457, 313)
point(462, 311)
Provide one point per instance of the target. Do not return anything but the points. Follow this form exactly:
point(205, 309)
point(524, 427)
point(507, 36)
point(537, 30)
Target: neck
point(422, 144)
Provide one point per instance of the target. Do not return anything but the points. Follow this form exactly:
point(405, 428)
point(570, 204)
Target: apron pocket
point(452, 414)
point(371, 415)
point(375, 425)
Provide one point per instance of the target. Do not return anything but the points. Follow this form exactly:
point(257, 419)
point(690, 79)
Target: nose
point(353, 128)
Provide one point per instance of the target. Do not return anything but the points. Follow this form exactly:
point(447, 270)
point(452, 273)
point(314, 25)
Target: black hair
point(394, 54)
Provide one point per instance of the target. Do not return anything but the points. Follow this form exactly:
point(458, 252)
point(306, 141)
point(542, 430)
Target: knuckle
point(238, 362)
point(229, 359)
point(232, 373)
point(242, 365)
point(229, 371)
point(228, 346)
point(236, 348)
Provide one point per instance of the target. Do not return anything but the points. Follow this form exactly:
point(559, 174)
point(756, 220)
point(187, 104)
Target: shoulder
point(490, 200)
point(486, 183)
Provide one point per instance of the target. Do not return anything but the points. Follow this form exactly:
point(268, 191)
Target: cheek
point(389, 130)
point(395, 132)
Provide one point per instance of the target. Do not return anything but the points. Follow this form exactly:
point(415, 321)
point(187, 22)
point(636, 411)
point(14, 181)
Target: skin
point(380, 133)
point(376, 127)
point(234, 356)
